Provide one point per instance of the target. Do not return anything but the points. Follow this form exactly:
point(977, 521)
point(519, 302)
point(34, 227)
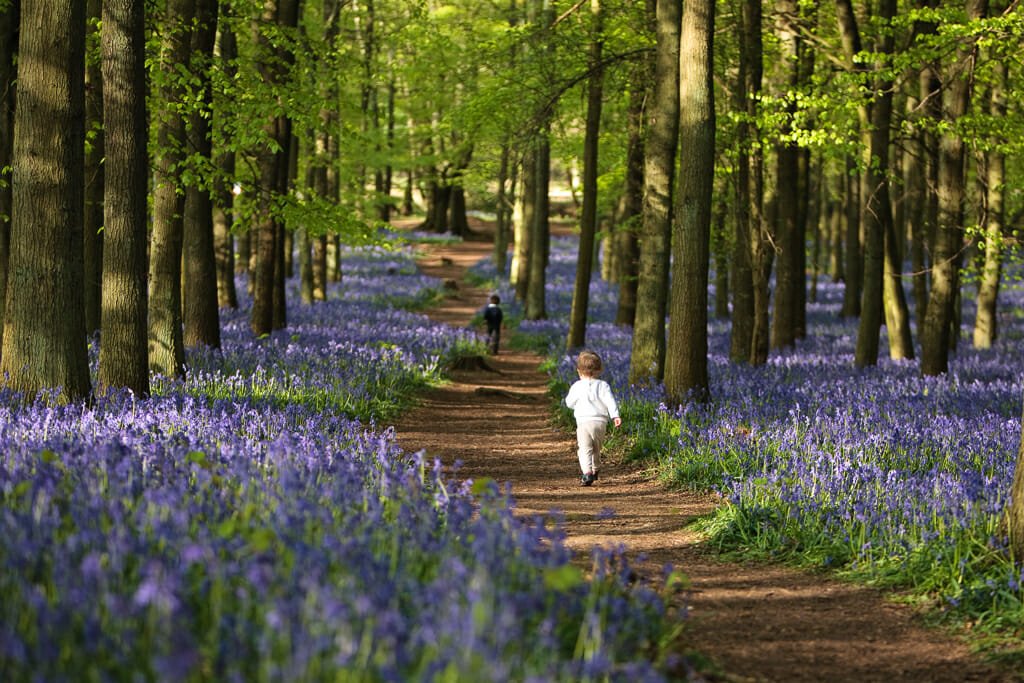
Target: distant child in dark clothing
point(493, 317)
point(593, 406)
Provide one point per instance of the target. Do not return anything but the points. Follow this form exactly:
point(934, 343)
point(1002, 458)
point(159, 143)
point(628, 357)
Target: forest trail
point(755, 622)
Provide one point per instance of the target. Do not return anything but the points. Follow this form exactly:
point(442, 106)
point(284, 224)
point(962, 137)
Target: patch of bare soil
point(755, 622)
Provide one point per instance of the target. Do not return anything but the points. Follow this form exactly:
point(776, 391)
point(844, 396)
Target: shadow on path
point(756, 622)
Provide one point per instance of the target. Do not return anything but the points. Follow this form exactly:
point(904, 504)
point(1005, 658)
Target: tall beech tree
point(686, 364)
point(166, 343)
point(588, 219)
point(199, 266)
point(948, 242)
point(647, 361)
point(8, 77)
point(124, 350)
point(44, 337)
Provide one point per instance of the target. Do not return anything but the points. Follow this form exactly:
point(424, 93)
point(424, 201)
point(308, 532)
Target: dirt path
point(755, 622)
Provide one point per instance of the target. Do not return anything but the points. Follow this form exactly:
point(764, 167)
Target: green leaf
point(563, 578)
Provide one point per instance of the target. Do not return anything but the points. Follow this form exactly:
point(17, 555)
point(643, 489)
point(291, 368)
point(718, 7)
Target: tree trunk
point(588, 219)
point(124, 350)
point(879, 221)
point(647, 361)
point(854, 253)
point(92, 236)
point(721, 262)
point(787, 279)
point(741, 273)
point(938, 322)
point(628, 254)
point(686, 366)
point(199, 294)
point(761, 250)
point(536, 308)
point(524, 226)
point(166, 345)
point(223, 190)
point(44, 340)
point(8, 77)
point(503, 222)
point(986, 329)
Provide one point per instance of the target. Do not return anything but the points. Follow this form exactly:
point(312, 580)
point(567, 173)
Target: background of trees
point(149, 150)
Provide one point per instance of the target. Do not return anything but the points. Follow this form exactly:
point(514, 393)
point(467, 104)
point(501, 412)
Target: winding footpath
point(753, 622)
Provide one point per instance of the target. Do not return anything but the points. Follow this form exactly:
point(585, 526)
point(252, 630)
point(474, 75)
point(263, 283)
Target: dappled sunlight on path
point(756, 622)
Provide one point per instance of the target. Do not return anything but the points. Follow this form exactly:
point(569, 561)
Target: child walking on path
point(493, 317)
point(593, 406)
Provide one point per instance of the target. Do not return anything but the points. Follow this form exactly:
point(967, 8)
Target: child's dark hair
point(495, 299)
point(589, 364)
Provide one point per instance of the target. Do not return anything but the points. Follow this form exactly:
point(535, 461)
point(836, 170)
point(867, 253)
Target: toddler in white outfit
point(593, 406)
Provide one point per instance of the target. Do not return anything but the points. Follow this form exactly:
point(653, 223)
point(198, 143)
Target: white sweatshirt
point(591, 399)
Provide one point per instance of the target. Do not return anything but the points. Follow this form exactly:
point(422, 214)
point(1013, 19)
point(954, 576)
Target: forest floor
point(747, 621)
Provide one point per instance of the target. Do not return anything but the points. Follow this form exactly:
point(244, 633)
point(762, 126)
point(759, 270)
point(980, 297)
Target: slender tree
point(787, 199)
point(588, 219)
point(124, 359)
point(935, 336)
point(166, 344)
point(986, 328)
point(44, 339)
point(648, 354)
point(199, 263)
point(92, 235)
point(8, 77)
point(686, 365)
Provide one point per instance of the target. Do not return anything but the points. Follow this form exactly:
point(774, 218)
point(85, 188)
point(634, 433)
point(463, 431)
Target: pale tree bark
point(8, 77)
point(937, 331)
point(92, 236)
point(124, 352)
point(686, 365)
point(647, 361)
point(201, 319)
point(44, 339)
point(986, 328)
point(588, 219)
point(522, 222)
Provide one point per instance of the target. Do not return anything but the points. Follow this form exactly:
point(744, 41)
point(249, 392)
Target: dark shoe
point(593, 477)
point(586, 480)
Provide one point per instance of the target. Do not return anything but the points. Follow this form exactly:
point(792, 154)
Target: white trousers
point(590, 437)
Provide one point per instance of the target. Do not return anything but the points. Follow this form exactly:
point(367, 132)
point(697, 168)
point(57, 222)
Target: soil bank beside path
point(755, 622)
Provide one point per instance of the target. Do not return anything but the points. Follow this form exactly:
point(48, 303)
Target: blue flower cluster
point(251, 524)
point(895, 476)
